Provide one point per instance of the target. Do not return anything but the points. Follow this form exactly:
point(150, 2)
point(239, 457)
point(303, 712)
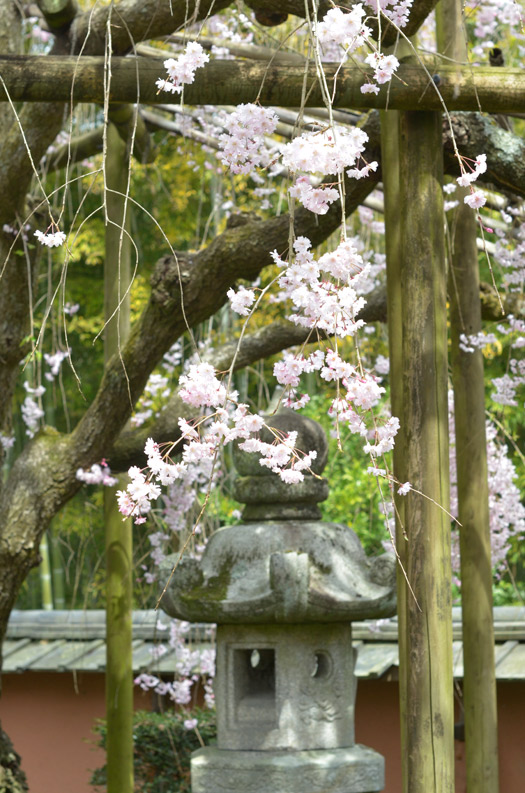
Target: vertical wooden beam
point(119, 552)
point(430, 717)
point(394, 263)
point(479, 675)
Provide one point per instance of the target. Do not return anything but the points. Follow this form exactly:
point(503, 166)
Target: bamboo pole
point(479, 675)
point(430, 716)
point(58, 78)
point(57, 572)
point(394, 262)
point(45, 574)
point(119, 569)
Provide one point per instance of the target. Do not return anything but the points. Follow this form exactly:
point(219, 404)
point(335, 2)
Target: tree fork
point(430, 715)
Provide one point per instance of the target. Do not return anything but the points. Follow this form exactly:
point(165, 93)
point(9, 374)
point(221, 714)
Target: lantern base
point(356, 769)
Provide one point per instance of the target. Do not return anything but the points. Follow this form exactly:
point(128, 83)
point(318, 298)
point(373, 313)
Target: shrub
point(162, 749)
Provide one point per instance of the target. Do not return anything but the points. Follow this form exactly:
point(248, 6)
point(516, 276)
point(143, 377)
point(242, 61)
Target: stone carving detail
point(314, 708)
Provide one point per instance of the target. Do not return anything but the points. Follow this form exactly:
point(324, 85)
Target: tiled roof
point(60, 641)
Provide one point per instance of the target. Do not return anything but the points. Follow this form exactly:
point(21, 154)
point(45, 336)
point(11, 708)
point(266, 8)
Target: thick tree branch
point(505, 151)
point(59, 14)
point(138, 20)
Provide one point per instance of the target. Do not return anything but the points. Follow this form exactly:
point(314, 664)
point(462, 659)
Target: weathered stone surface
point(348, 770)
point(240, 578)
point(285, 686)
point(276, 511)
point(264, 489)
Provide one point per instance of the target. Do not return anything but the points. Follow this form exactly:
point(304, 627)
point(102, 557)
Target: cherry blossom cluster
point(53, 239)
point(470, 342)
point(332, 306)
point(241, 300)
point(510, 254)
point(6, 441)
point(201, 388)
point(341, 34)
point(328, 152)
point(243, 148)
point(136, 500)
point(191, 664)
point(282, 457)
point(507, 385)
point(315, 199)
point(397, 11)
point(489, 17)
point(70, 308)
point(506, 512)
point(98, 474)
point(382, 440)
point(181, 70)
point(384, 67)
point(320, 303)
point(156, 388)
point(202, 442)
point(345, 29)
point(55, 361)
point(476, 198)
point(31, 410)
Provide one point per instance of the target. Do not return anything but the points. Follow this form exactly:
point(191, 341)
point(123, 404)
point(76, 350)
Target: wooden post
point(479, 672)
point(394, 263)
point(119, 552)
point(479, 675)
point(430, 715)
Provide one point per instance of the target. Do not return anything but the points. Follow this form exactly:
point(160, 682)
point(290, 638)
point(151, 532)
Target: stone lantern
point(284, 587)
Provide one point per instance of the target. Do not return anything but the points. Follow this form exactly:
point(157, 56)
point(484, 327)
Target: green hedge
point(162, 749)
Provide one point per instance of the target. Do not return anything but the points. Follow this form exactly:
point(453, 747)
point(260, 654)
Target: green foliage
point(508, 593)
point(162, 749)
point(354, 496)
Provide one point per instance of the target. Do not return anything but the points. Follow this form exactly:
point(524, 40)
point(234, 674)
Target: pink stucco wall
point(49, 717)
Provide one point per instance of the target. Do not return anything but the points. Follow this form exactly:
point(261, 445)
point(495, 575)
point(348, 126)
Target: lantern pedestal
point(354, 769)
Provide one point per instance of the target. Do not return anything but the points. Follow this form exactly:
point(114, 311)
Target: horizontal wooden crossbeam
point(49, 78)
